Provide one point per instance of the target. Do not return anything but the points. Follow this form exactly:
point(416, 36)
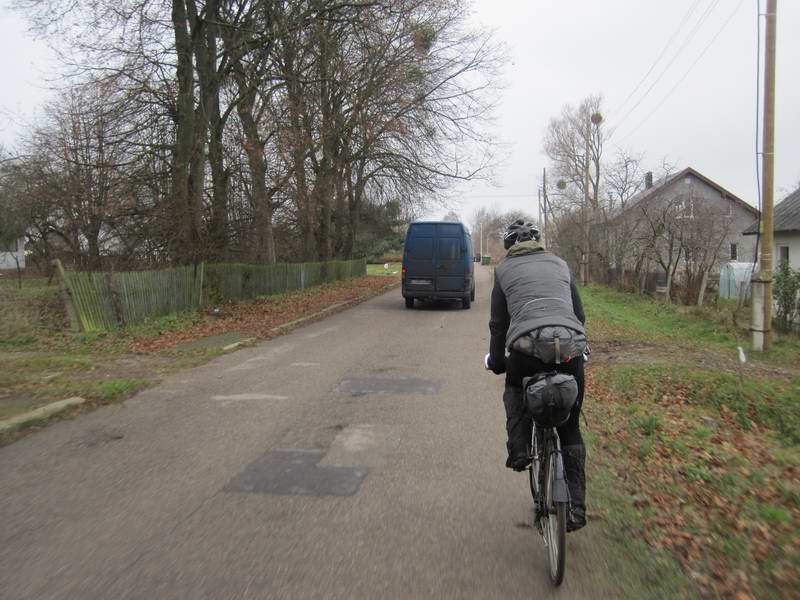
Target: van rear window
point(454, 230)
point(422, 230)
point(420, 248)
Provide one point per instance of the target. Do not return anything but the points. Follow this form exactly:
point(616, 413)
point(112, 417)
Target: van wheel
point(409, 303)
point(465, 301)
point(472, 295)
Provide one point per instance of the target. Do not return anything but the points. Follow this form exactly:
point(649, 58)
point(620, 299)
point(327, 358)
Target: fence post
point(115, 301)
point(200, 299)
point(66, 296)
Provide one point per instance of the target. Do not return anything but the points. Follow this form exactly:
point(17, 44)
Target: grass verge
point(698, 461)
point(620, 317)
point(393, 269)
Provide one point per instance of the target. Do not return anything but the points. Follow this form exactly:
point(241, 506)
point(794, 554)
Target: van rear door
point(449, 258)
point(419, 260)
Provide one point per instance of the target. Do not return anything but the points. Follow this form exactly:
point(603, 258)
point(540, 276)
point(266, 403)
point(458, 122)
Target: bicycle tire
point(556, 523)
point(532, 482)
point(533, 472)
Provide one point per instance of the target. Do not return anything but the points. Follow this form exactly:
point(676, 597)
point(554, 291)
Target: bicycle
point(550, 494)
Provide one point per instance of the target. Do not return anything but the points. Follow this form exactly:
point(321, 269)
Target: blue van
point(437, 262)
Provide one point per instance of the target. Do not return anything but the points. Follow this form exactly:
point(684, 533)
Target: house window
point(10, 246)
point(783, 254)
point(686, 208)
point(734, 252)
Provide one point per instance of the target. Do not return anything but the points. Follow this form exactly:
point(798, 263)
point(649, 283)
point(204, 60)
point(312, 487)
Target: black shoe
point(577, 519)
point(518, 463)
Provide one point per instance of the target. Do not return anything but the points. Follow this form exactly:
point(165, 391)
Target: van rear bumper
point(412, 293)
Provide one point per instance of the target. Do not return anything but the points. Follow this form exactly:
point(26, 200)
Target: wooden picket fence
point(107, 301)
point(227, 282)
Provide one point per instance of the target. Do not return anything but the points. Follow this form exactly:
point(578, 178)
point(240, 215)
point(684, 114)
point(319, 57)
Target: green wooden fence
point(106, 301)
point(245, 282)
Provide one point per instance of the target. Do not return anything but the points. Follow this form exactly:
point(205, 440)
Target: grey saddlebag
point(552, 345)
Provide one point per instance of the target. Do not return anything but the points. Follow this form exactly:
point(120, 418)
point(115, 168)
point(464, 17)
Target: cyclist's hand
point(587, 353)
point(497, 370)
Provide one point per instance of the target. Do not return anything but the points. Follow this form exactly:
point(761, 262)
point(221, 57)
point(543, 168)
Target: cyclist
point(533, 290)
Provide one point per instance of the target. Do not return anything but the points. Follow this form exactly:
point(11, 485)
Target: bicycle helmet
point(520, 231)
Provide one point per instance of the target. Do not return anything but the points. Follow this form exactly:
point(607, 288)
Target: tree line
point(247, 130)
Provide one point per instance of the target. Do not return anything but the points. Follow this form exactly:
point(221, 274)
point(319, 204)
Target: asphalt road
point(358, 457)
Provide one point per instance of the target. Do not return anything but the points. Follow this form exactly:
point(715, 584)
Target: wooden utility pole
point(544, 206)
point(539, 210)
point(585, 211)
point(762, 336)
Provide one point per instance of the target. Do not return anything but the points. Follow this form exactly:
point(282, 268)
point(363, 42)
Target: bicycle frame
point(550, 443)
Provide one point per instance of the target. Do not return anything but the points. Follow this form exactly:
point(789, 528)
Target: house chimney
point(648, 180)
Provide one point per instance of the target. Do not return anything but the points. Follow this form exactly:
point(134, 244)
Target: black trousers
point(518, 422)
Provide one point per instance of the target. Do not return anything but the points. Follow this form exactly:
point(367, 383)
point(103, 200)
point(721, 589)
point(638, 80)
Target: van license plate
point(420, 282)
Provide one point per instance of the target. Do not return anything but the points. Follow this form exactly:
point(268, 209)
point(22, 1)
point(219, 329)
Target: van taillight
point(404, 270)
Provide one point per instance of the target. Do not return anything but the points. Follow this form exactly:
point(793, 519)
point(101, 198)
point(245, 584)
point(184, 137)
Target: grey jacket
point(533, 288)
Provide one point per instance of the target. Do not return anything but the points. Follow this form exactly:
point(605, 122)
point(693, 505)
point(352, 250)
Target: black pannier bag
point(552, 345)
point(550, 397)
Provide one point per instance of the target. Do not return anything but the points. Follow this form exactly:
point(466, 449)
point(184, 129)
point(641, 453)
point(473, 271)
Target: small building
point(12, 255)
point(734, 280)
point(786, 227)
point(682, 229)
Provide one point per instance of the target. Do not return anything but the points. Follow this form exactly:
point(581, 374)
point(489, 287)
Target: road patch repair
point(295, 472)
point(362, 445)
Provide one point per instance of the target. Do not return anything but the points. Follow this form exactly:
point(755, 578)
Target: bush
point(35, 307)
point(785, 290)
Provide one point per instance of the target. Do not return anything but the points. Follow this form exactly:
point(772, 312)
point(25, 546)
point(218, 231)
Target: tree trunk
point(93, 242)
point(340, 233)
point(183, 243)
point(305, 203)
point(703, 283)
point(257, 166)
point(205, 37)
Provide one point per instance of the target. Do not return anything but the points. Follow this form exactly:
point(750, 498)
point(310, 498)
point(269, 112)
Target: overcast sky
point(563, 50)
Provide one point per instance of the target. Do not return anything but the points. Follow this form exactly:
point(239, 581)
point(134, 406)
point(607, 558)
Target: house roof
point(786, 216)
point(667, 181)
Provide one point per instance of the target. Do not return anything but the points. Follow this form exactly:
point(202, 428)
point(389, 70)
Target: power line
point(709, 9)
point(686, 74)
point(660, 56)
point(498, 196)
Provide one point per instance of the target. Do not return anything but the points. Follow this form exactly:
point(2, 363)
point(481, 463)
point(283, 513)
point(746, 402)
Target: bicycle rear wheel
point(555, 522)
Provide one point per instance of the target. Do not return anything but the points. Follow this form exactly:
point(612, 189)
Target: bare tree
point(246, 121)
point(623, 179)
point(565, 144)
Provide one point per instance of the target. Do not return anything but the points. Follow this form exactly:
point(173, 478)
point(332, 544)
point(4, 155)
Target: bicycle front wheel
point(555, 524)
